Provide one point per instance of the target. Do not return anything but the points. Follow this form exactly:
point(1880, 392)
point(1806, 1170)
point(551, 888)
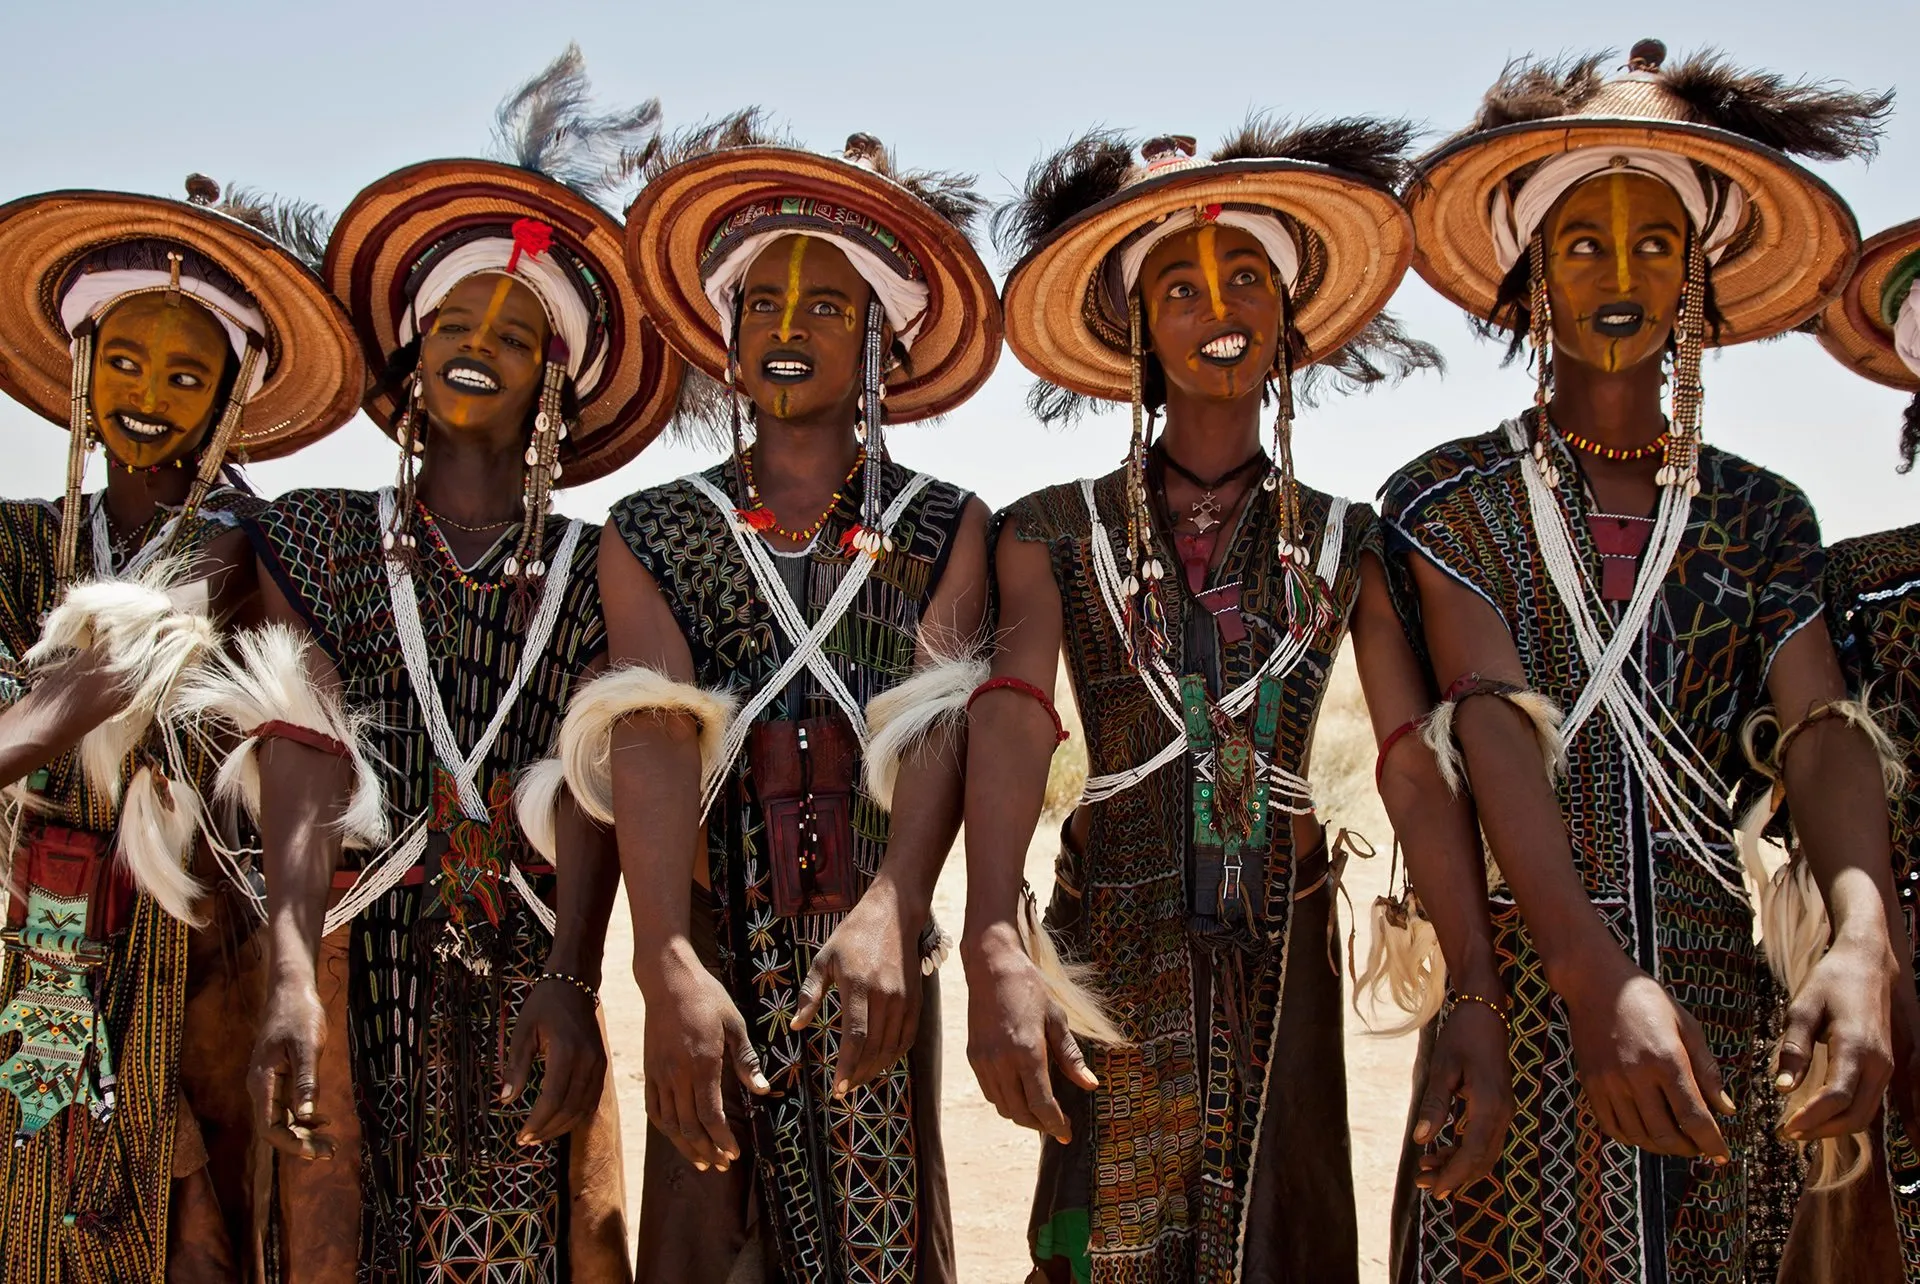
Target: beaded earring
point(1540, 336)
point(1681, 463)
point(1144, 568)
point(868, 537)
point(79, 445)
point(214, 454)
point(411, 430)
point(543, 470)
point(1308, 607)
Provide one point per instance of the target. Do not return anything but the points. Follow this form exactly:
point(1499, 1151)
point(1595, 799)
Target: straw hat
point(1858, 326)
point(314, 375)
point(1791, 240)
point(1331, 185)
point(683, 218)
point(403, 218)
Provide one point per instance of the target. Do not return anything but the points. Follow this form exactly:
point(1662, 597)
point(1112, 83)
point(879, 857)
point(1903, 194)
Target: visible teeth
point(1226, 346)
point(141, 428)
point(471, 379)
point(788, 367)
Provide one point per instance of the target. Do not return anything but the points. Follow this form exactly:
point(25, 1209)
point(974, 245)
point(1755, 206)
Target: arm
point(559, 1022)
point(303, 794)
point(1839, 807)
point(1642, 1058)
point(874, 955)
point(1012, 1021)
point(1442, 843)
point(693, 1028)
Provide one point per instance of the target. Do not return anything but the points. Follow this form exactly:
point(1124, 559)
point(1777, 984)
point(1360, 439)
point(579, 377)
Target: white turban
point(92, 294)
point(904, 301)
point(1265, 228)
point(1906, 331)
point(1716, 211)
point(567, 313)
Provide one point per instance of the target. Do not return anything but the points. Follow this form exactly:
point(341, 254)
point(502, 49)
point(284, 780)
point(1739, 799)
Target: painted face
point(157, 362)
point(1616, 265)
point(803, 321)
point(484, 355)
point(1212, 310)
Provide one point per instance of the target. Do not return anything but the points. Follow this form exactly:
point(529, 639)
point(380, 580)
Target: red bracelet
point(1025, 688)
point(1394, 737)
point(274, 729)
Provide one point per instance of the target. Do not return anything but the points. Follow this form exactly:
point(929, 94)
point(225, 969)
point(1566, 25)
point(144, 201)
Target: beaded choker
point(757, 515)
point(466, 581)
point(1630, 455)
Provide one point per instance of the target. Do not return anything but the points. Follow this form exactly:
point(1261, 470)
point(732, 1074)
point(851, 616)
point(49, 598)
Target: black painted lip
point(1227, 361)
point(166, 429)
point(767, 371)
point(1619, 320)
point(478, 367)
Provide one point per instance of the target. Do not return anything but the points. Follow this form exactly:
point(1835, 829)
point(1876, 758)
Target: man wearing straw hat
point(178, 335)
point(1606, 602)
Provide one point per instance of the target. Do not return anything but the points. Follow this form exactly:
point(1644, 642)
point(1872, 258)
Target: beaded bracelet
point(572, 980)
point(1497, 1007)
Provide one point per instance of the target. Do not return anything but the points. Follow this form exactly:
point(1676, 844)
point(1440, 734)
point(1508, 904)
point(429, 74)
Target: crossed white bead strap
point(808, 641)
point(1165, 688)
point(1616, 682)
point(465, 768)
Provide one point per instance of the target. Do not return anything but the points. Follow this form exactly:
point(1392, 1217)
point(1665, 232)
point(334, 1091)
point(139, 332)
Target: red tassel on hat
point(530, 236)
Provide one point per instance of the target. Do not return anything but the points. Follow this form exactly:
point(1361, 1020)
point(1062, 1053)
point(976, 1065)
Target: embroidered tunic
point(86, 1200)
point(449, 1194)
point(1564, 1202)
point(1873, 608)
point(1168, 1177)
point(843, 1183)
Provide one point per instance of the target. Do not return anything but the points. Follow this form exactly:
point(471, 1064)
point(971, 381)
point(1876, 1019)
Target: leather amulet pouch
point(803, 774)
point(73, 870)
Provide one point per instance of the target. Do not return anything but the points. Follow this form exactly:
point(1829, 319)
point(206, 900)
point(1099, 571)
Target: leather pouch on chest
point(803, 774)
point(66, 882)
point(1231, 811)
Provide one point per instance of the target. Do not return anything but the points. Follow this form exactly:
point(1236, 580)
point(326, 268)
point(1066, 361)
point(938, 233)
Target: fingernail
point(1424, 1131)
point(699, 1166)
point(840, 1088)
point(506, 1094)
point(526, 1139)
point(1720, 1161)
point(760, 1082)
point(1726, 1103)
point(306, 1108)
point(1784, 1082)
point(719, 1168)
point(1442, 1194)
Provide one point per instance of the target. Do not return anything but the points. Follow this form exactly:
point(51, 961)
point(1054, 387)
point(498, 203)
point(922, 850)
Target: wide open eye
point(1245, 277)
point(826, 309)
point(1180, 290)
point(761, 305)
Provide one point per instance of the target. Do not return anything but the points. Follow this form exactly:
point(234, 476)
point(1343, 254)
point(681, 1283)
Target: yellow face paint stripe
point(498, 301)
point(1210, 267)
point(794, 260)
point(1622, 262)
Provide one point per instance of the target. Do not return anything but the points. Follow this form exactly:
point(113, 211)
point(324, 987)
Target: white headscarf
point(1906, 331)
point(1265, 228)
point(567, 312)
point(1716, 211)
point(92, 294)
point(905, 301)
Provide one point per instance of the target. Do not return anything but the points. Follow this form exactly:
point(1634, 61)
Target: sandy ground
point(991, 1161)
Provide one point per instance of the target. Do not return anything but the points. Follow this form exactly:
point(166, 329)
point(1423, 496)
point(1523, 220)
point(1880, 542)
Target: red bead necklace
point(1630, 455)
point(761, 518)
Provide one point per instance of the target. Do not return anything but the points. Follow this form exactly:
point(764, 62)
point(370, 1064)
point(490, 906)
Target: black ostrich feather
point(747, 127)
point(1534, 89)
point(955, 197)
point(1382, 353)
point(1817, 119)
point(300, 227)
point(547, 125)
point(1372, 148)
point(1080, 175)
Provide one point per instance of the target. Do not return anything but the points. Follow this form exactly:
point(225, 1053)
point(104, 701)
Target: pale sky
point(317, 100)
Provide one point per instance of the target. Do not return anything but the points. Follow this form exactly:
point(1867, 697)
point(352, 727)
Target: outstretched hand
point(873, 958)
point(283, 1078)
point(695, 1036)
point(556, 1024)
point(1469, 1066)
point(1014, 1027)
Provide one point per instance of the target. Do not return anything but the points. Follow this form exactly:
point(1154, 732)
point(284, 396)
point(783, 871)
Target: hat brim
point(388, 226)
point(315, 377)
point(1853, 327)
point(669, 225)
point(1365, 231)
point(1799, 243)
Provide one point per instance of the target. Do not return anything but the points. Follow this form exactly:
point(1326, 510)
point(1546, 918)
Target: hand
point(556, 1024)
point(1843, 1004)
point(1644, 1063)
point(282, 1078)
point(1905, 1088)
point(694, 1034)
point(874, 959)
point(1013, 1025)
point(1469, 1063)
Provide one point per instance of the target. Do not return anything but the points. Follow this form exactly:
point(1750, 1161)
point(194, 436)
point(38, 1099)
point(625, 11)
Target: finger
point(552, 1096)
point(745, 1061)
point(690, 1134)
point(572, 1104)
point(263, 1084)
point(1068, 1056)
point(520, 1060)
point(1796, 1045)
point(1706, 1066)
point(1624, 1116)
point(1846, 1103)
point(306, 1080)
point(652, 1096)
point(885, 1015)
point(853, 1034)
point(1663, 1132)
point(1687, 1103)
point(1436, 1103)
point(711, 1102)
point(813, 990)
point(1482, 1135)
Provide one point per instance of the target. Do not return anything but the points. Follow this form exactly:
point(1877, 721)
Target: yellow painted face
point(484, 355)
point(1213, 310)
point(157, 363)
point(803, 310)
point(1616, 267)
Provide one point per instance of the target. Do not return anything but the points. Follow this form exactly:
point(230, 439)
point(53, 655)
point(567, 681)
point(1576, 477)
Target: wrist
point(568, 959)
point(910, 904)
point(1578, 972)
point(982, 943)
point(653, 969)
